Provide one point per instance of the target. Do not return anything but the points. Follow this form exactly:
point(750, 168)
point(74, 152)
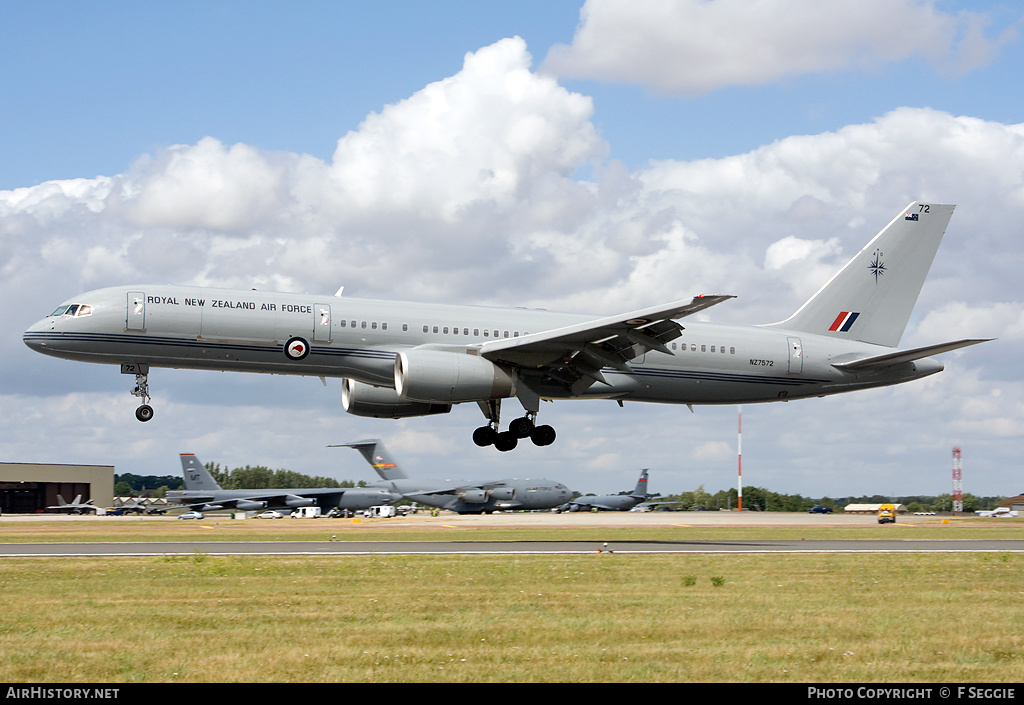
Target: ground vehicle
point(886, 514)
point(381, 510)
point(818, 509)
point(191, 515)
point(270, 514)
point(306, 513)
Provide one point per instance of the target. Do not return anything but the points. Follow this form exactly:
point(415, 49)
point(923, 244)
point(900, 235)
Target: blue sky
point(695, 147)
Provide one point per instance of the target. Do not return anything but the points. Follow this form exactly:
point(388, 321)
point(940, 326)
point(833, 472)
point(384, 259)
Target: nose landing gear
point(145, 411)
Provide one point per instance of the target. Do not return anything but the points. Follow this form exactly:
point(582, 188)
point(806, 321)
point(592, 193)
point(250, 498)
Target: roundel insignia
point(637, 321)
point(296, 348)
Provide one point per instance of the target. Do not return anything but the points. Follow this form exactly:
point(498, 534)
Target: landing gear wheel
point(484, 436)
point(506, 441)
point(521, 427)
point(542, 436)
point(145, 411)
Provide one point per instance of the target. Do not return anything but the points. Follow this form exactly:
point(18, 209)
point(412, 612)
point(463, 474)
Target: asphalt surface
point(462, 526)
point(293, 548)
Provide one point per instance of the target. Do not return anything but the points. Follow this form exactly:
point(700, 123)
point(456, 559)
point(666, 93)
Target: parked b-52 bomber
point(462, 496)
point(414, 359)
point(202, 493)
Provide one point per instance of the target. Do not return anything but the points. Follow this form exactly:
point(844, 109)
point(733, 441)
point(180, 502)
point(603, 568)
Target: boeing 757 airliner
point(413, 359)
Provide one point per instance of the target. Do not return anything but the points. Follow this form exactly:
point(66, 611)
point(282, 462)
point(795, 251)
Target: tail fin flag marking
point(844, 321)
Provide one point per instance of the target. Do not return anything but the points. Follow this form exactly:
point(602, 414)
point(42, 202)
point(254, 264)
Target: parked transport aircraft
point(610, 502)
point(462, 496)
point(413, 359)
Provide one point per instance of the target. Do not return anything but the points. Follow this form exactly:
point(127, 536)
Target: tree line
point(764, 500)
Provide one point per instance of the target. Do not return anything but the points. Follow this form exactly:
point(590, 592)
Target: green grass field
point(576, 618)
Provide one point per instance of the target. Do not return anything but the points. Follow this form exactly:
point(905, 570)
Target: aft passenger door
point(796, 356)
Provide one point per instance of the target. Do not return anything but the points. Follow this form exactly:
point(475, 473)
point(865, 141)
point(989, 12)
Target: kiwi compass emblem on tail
point(877, 267)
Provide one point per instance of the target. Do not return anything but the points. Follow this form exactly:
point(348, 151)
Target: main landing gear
point(523, 427)
point(145, 411)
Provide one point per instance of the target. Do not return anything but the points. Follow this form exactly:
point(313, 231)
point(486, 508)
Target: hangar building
point(29, 488)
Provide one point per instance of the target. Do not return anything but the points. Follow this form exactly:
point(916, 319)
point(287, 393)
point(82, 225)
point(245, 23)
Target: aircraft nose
point(35, 336)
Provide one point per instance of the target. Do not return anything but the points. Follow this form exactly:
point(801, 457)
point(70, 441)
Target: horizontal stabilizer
point(898, 357)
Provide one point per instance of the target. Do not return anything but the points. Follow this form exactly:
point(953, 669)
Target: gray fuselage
point(250, 331)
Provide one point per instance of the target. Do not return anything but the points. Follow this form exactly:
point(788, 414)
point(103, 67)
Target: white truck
point(381, 510)
point(306, 513)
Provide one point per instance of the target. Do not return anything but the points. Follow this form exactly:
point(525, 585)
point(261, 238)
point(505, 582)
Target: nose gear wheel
point(145, 411)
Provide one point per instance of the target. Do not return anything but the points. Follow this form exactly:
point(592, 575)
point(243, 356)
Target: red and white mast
point(739, 456)
point(958, 488)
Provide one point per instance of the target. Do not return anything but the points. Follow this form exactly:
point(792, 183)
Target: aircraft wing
point(898, 357)
point(272, 498)
point(453, 489)
point(578, 352)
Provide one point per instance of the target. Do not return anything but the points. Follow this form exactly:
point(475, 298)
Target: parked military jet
point(611, 502)
point(77, 506)
point(203, 494)
point(462, 496)
point(413, 359)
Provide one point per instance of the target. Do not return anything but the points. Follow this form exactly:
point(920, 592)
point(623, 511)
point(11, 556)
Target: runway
point(362, 548)
point(341, 537)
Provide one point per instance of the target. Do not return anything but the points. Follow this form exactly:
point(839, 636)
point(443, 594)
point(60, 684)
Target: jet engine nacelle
point(473, 496)
point(250, 505)
point(502, 493)
point(439, 376)
point(295, 502)
point(362, 399)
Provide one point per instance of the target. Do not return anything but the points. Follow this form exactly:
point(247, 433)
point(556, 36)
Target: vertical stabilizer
point(871, 298)
point(641, 485)
point(197, 477)
point(377, 456)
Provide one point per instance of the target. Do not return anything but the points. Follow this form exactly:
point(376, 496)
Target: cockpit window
point(77, 310)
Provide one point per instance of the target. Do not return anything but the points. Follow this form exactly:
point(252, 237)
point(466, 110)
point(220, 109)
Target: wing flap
point(614, 340)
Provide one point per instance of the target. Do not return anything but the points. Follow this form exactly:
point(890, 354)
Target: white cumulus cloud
point(695, 46)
